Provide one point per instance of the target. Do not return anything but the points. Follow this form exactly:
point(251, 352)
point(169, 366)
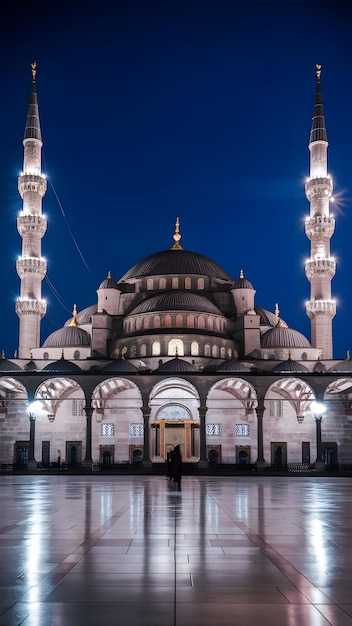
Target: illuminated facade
point(175, 352)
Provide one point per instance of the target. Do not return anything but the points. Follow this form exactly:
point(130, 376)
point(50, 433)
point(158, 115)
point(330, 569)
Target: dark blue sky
point(153, 110)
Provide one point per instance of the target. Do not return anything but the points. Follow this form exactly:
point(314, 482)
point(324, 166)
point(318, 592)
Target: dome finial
point(109, 275)
point(289, 355)
point(348, 357)
point(177, 236)
point(3, 354)
point(277, 310)
point(73, 321)
point(34, 70)
point(318, 66)
point(241, 274)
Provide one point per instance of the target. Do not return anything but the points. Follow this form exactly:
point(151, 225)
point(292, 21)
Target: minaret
point(320, 225)
point(31, 225)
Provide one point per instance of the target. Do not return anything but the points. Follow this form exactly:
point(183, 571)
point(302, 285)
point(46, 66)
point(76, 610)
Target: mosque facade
point(175, 352)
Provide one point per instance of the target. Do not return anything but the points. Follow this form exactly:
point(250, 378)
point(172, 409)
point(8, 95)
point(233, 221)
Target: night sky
point(153, 110)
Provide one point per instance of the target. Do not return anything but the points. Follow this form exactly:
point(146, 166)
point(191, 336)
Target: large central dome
point(176, 261)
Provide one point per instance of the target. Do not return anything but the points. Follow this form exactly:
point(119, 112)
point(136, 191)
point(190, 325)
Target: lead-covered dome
point(175, 366)
point(176, 261)
point(283, 337)
point(68, 336)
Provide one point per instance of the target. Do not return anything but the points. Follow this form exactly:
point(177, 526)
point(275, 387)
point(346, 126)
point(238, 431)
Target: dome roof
point(290, 366)
point(242, 283)
point(231, 365)
point(30, 366)
point(8, 366)
point(176, 365)
point(283, 337)
point(108, 283)
point(67, 336)
point(177, 301)
point(176, 262)
point(120, 366)
point(267, 318)
point(343, 366)
point(62, 366)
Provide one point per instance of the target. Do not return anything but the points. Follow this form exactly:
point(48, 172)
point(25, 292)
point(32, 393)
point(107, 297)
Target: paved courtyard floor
point(130, 550)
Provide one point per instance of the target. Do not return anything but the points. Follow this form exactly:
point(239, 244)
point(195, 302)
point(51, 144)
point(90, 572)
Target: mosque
point(175, 352)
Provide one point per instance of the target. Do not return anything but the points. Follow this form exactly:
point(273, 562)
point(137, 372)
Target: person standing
point(176, 467)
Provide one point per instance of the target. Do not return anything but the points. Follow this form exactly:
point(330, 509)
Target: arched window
point(188, 283)
point(150, 283)
point(46, 356)
point(156, 321)
point(175, 347)
point(76, 354)
point(217, 323)
point(215, 352)
point(222, 353)
point(143, 350)
point(190, 321)
point(179, 321)
point(146, 321)
point(210, 323)
point(207, 350)
point(194, 348)
point(175, 282)
point(156, 348)
point(139, 323)
point(200, 283)
point(201, 322)
point(162, 283)
point(167, 321)
point(133, 352)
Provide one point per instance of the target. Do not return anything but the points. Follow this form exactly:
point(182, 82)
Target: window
point(210, 323)
point(107, 430)
point(133, 352)
point(149, 283)
point(143, 350)
point(46, 356)
point(213, 430)
point(77, 407)
point(179, 321)
point(167, 321)
point(175, 283)
point(201, 322)
point(215, 351)
point(136, 430)
point(207, 350)
point(76, 354)
point(156, 321)
point(242, 430)
point(194, 348)
point(188, 283)
point(275, 408)
point(200, 283)
point(146, 322)
point(222, 353)
point(190, 321)
point(162, 283)
point(175, 347)
point(156, 348)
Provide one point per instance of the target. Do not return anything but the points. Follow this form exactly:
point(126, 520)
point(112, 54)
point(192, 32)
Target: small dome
point(84, 316)
point(120, 366)
point(30, 366)
point(242, 283)
point(231, 365)
point(176, 301)
point(342, 367)
point(290, 366)
point(176, 365)
point(283, 337)
point(68, 336)
point(62, 366)
point(108, 283)
point(8, 366)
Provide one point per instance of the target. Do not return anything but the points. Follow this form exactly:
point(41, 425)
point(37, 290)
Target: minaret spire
point(320, 226)
point(31, 225)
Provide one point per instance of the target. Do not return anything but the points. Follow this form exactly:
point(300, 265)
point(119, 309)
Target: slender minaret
point(31, 225)
point(320, 225)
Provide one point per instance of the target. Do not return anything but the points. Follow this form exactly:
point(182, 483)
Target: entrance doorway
point(73, 453)
point(278, 453)
point(21, 454)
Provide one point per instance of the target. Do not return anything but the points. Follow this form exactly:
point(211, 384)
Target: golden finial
point(3, 354)
point(34, 69)
point(277, 310)
point(241, 274)
point(318, 70)
point(348, 356)
point(289, 355)
point(73, 321)
point(177, 236)
point(109, 275)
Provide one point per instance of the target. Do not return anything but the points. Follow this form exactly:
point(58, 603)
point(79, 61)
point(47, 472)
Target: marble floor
point(131, 550)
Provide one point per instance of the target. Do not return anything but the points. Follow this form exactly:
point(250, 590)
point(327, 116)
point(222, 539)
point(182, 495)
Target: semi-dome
point(120, 366)
point(176, 261)
point(283, 337)
point(290, 366)
point(68, 336)
point(177, 301)
point(62, 366)
point(176, 365)
point(267, 318)
point(84, 316)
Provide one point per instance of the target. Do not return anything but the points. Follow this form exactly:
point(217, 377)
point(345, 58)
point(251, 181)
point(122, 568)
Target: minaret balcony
point(319, 267)
point(31, 224)
point(30, 307)
point(33, 183)
point(319, 187)
point(321, 307)
point(320, 225)
point(31, 265)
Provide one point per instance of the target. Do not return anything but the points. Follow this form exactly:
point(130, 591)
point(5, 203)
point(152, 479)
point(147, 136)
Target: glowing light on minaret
point(31, 225)
point(320, 225)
